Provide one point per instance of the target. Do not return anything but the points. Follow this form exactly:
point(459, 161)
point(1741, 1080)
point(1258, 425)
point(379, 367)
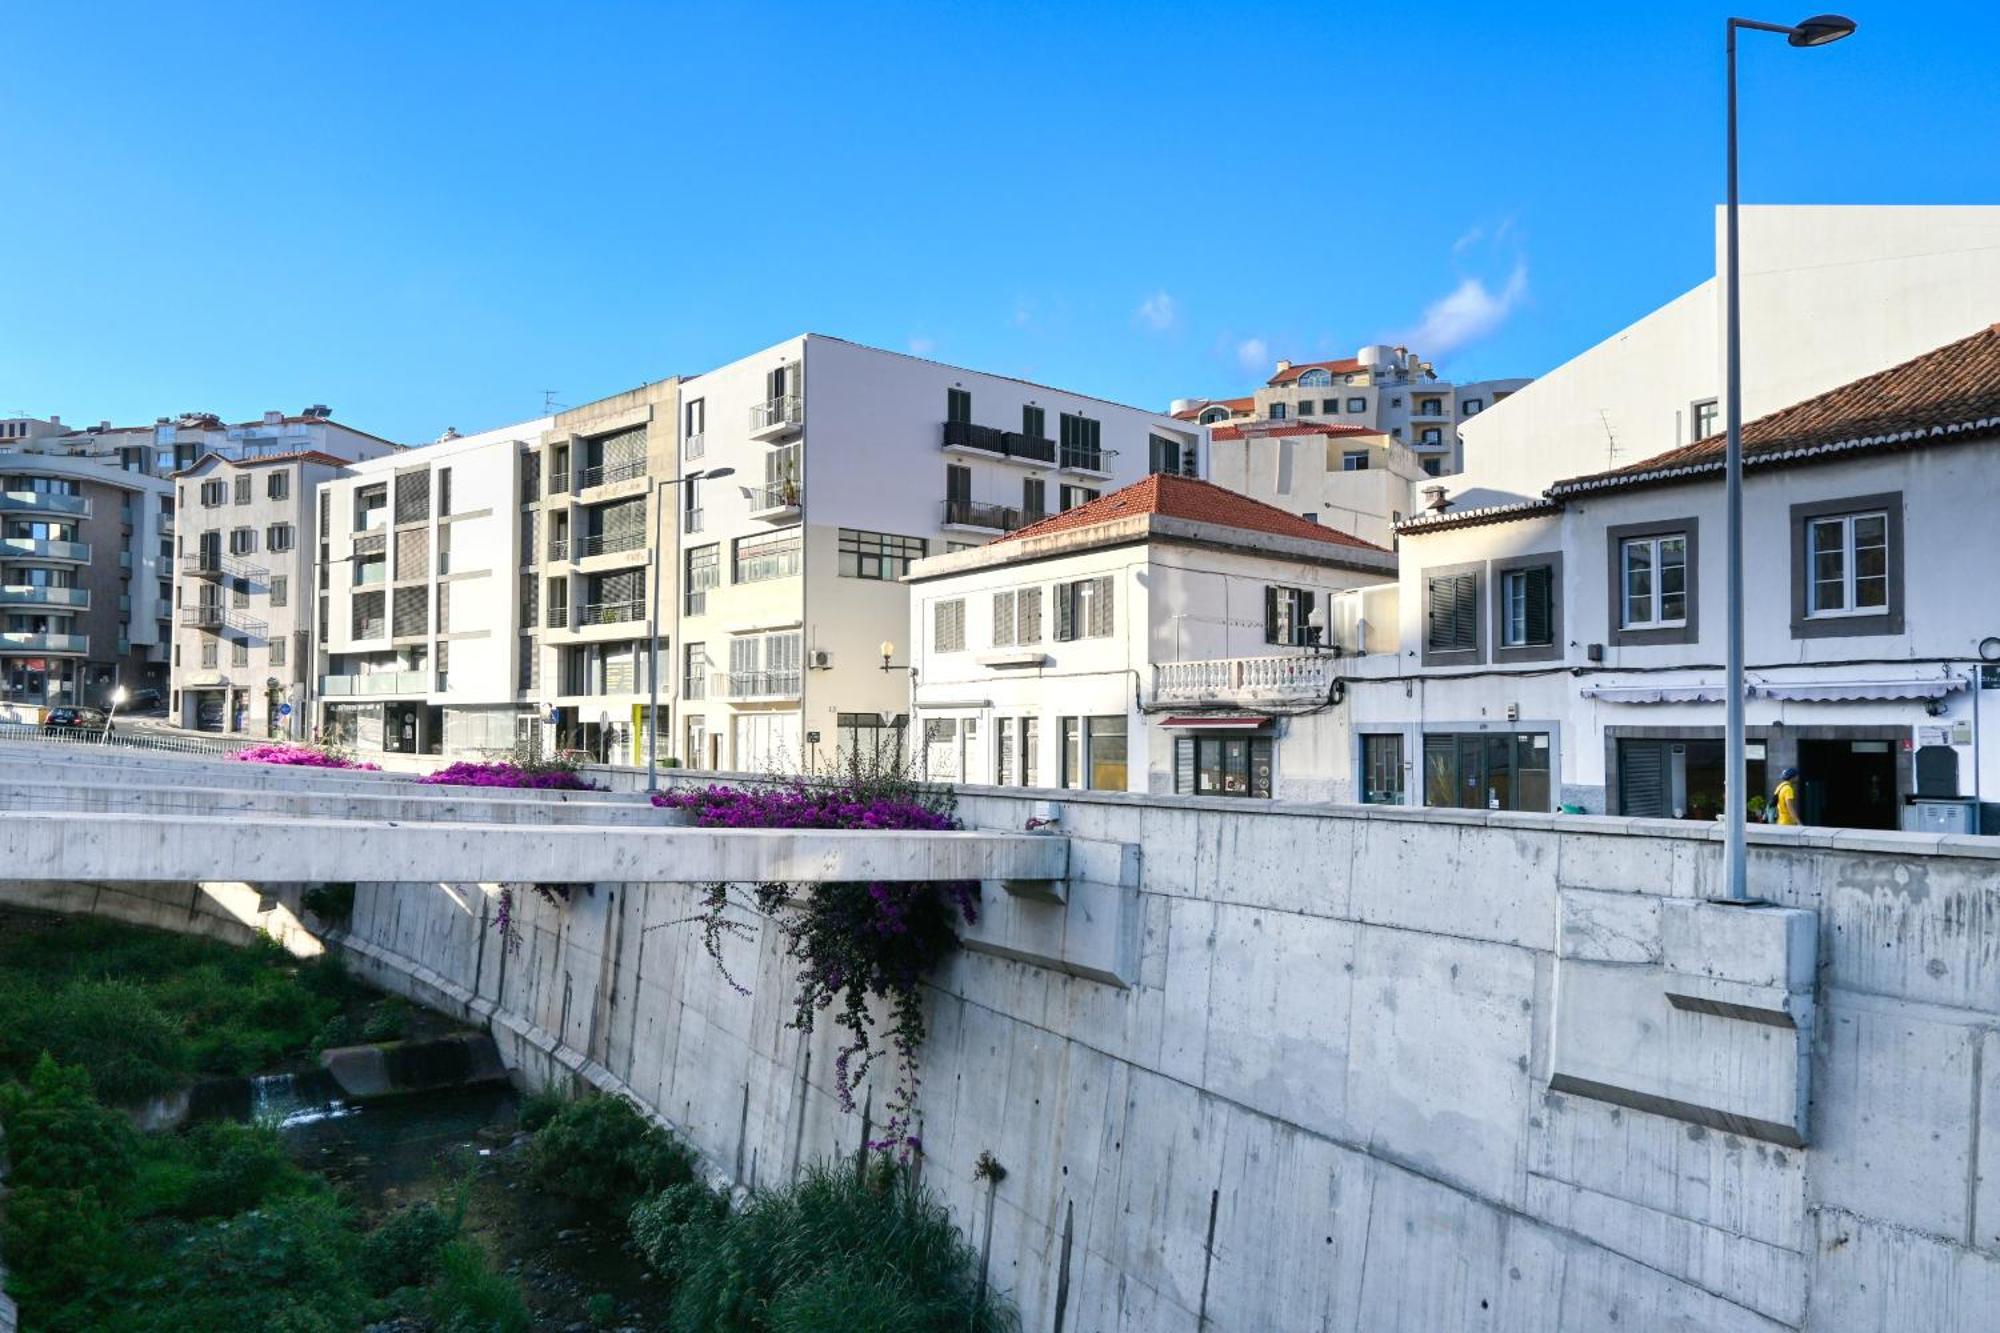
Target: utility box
point(1941, 814)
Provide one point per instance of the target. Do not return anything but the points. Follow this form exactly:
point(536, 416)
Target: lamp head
point(1821, 29)
point(888, 651)
point(713, 473)
point(118, 696)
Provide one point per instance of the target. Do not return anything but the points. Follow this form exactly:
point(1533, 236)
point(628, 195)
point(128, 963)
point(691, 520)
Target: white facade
point(1829, 294)
point(443, 680)
point(1168, 636)
point(1359, 482)
point(849, 462)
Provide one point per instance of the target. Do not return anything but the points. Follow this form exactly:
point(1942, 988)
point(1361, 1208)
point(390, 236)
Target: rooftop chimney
point(1435, 499)
point(1284, 366)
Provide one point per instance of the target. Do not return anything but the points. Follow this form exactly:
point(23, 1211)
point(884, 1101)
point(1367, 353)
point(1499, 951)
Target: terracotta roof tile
point(1941, 396)
point(1344, 366)
point(1203, 404)
point(1260, 430)
point(1191, 499)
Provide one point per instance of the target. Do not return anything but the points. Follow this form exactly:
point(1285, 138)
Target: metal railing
point(694, 445)
point(992, 440)
point(609, 543)
point(606, 474)
point(757, 684)
point(45, 502)
point(558, 548)
point(1083, 460)
point(1245, 679)
point(692, 520)
point(35, 594)
point(610, 613)
point(778, 495)
point(130, 740)
point(207, 616)
point(774, 413)
point(997, 518)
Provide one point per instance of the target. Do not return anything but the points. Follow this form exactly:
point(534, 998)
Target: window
point(1093, 753)
point(1357, 404)
point(1170, 456)
point(1288, 615)
point(773, 555)
point(239, 652)
point(878, 555)
point(1451, 614)
point(1470, 407)
point(958, 406)
point(1034, 423)
point(1847, 558)
point(1211, 415)
point(369, 621)
point(694, 671)
point(279, 537)
point(1083, 609)
point(1314, 378)
point(1004, 731)
point(870, 739)
point(243, 490)
point(1072, 496)
point(208, 652)
point(1278, 412)
point(239, 592)
point(1382, 770)
point(1430, 407)
point(704, 571)
point(1081, 442)
point(278, 651)
point(1432, 435)
point(1395, 402)
point(1526, 613)
point(1655, 584)
point(243, 541)
point(281, 590)
point(1702, 420)
point(278, 486)
point(694, 429)
point(1329, 407)
point(1222, 766)
point(1354, 460)
point(1434, 467)
point(1017, 617)
point(1034, 499)
point(1487, 770)
point(948, 626)
point(214, 493)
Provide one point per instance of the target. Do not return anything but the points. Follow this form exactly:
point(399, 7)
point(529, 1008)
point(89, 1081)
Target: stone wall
point(1288, 1067)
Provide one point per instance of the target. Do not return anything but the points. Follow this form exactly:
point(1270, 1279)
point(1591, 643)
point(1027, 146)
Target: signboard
point(812, 738)
point(1961, 733)
point(284, 710)
point(1929, 735)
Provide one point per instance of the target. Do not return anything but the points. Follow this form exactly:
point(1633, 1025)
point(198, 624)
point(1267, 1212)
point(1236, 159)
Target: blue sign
point(284, 710)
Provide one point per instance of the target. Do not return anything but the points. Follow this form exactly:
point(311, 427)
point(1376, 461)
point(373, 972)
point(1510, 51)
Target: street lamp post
point(888, 652)
point(1816, 31)
point(118, 696)
point(653, 620)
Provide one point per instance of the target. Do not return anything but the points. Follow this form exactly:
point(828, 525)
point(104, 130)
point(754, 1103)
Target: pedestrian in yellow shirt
point(1785, 800)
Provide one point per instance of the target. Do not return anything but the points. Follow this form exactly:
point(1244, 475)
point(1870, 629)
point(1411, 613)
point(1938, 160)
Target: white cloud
point(1254, 355)
point(1158, 312)
point(1468, 313)
point(1468, 240)
point(922, 346)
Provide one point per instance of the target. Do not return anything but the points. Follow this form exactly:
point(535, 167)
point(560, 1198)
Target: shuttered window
point(1526, 619)
point(1084, 609)
point(948, 626)
point(411, 616)
point(1288, 616)
point(1028, 616)
point(1453, 611)
point(1003, 620)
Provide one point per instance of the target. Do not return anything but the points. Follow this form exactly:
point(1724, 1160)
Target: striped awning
point(1654, 694)
point(1858, 691)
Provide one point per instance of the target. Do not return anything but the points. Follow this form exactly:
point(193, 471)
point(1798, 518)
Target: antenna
point(549, 403)
point(1610, 439)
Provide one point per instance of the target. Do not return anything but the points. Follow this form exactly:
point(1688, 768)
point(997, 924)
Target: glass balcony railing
point(40, 548)
point(24, 641)
point(375, 683)
point(609, 613)
point(43, 502)
point(34, 594)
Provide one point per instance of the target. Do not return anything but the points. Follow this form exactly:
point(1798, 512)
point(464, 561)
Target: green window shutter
point(1065, 612)
point(1539, 596)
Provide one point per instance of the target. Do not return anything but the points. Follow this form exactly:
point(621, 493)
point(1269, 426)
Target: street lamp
point(653, 621)
point(888, 653)
point(118, 696)
point(1816, 31)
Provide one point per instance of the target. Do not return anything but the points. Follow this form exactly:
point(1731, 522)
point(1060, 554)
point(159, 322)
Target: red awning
point(1229, 721)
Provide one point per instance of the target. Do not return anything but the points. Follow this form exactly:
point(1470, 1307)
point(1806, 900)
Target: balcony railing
point(558, 548)
point(34, 594)
point(777, 415)
point(777, 498)
point(1084, 460)
point(992, 517)
point(43, 502)
point(1005, 443)
point(40, 548)
point(609, 543)
point(693, 520)
point(208, 616)
point(757, 684)
point(606, 474)
point(68, 645)
point(609, 613)
point(694, 446)
point(376, 682)
point(1245, 680)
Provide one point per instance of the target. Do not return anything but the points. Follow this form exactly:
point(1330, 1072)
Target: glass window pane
point(1870, 530)
point(1673, 606)
point(1107, 754)
point(1829, 595)
point(1871, 591)
point(1208, 776)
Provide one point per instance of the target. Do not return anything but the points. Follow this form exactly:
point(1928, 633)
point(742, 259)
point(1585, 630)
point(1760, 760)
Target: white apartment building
point(1830, 294)
point(86, 578)
point(849, 464)
point(1567, 650)
point(418, 628)
point(1387, 389)
point(1354, 479)
point(172, 444)
point(1168, 637)
point(246, 535)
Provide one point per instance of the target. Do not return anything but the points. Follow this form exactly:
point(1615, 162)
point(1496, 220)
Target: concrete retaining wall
point(1288, 1067)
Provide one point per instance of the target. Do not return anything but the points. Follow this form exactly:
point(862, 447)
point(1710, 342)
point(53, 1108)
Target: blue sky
point(427, 214)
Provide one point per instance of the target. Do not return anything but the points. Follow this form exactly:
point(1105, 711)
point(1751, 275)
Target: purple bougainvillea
point(300, 756)
point(850, 940)
point(502, 773)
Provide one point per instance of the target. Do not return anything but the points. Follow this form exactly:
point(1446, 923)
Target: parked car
point(145, 700)
point(80, 719)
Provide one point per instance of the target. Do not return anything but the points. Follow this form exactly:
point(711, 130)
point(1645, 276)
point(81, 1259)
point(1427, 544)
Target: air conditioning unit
point(821, 659)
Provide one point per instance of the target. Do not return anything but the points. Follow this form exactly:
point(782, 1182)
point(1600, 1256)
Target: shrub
point(60, 1137)
point(834, 1251)
point(329, 902)
point(407, 1249)
point(542, 775)
point(114, 1029)
point(236, 1167)
point(388, 1021)
point(285, 1266)
point(470, 1297)
point(540, 1107)
point(601, 1151)
point(301, 756)
point(661, 1222)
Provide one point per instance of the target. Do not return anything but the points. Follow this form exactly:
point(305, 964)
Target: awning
point(1858, 691)
point(1654, 694)
point(1230, 721)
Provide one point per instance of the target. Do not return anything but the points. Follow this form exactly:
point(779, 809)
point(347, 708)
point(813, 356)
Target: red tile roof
point(1203, 404)
point(1260, 430)
point(1191, 499)
point(309, 455)
point(1344, 366)
point(1950, 394)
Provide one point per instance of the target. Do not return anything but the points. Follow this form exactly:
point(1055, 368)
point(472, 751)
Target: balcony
point(54, 645)
point(34, 594)
point(694, 446)
point(693, 520)
point(1000, 443)
point(211, 617)
point(776, 418)
point(1438, 412)
point(375, 683)
point(610, 474)
point(1084, 460)
point(748, 685)
point(609, 543)
point(1245, 680)
point(41, 502)
point(215, 565)
point(558, 548)
point(988, 517)
point(609, 613)
point(40, 548)
point(776, 503)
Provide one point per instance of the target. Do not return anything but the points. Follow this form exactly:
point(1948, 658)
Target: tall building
point(418, 622)
point(1353, 479)
point(85, 576)
point(1387, 389)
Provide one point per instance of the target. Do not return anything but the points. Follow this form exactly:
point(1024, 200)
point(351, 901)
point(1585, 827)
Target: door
point(1848, 784)
point(1644, 788)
